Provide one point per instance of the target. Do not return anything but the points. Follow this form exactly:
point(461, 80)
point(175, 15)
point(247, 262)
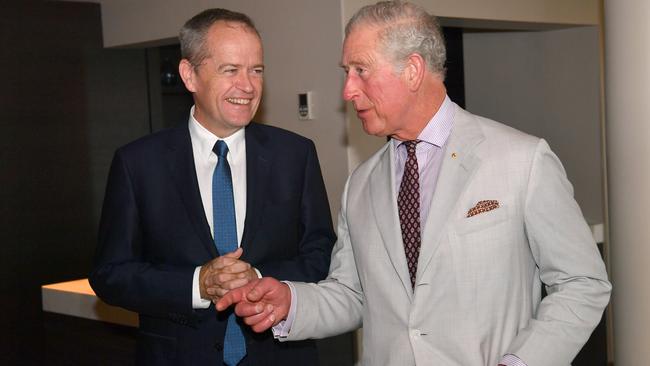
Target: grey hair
point(192, 34)
point(406, 28)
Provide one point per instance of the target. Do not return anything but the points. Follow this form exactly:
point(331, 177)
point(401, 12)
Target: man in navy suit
point(157, 253)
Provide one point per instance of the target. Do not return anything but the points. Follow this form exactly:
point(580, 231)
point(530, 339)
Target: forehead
point(361, 45)
point(223, 34)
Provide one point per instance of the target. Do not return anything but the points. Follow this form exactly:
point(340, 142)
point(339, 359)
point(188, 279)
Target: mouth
point(239, 101)
point(361, 112)
point(360, 109)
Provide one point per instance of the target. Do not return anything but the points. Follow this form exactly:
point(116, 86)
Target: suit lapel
point(384, 203)
point(180, 161)
point(458, 165)
point(257, 173)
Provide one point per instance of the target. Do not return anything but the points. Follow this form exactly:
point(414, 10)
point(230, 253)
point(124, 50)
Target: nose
point(244, 82)
point(350, 90)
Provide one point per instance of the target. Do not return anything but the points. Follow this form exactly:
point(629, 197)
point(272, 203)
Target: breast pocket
point(482, 221)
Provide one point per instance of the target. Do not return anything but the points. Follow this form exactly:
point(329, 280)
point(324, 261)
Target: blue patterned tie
point(225, 238)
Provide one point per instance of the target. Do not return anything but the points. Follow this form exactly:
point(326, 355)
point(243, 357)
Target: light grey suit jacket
point(478, 288)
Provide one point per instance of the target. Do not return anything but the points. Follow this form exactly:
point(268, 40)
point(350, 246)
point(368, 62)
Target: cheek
point(386, 100)
point(259, 85)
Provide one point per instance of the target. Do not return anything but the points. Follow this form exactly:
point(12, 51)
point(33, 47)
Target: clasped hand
point(223, 274)
point(262, 303)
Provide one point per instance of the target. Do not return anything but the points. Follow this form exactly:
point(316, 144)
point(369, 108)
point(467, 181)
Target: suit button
point(219, 346)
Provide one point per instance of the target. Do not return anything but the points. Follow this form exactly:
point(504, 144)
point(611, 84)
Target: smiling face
point(378, 92)
point(226, 85)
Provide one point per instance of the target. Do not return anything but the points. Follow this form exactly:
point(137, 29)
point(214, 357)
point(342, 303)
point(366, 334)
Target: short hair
point(192, 34)
point(406, 28)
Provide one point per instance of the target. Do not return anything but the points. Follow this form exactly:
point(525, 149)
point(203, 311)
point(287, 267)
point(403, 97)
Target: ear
point(414, 71)
point(188, 74)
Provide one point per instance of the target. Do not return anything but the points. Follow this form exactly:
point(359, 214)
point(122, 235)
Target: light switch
point(305, 106)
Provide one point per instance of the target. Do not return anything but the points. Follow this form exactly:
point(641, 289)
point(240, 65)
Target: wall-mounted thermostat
point(305, 107)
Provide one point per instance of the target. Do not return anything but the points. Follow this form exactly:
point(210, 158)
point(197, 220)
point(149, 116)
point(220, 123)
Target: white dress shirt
point(205, 160)
point(428, 154)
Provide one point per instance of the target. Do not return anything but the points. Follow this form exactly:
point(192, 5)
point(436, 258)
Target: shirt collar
point(205, 139)
point(438, 129)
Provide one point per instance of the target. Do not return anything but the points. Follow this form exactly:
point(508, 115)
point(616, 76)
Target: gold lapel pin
point(453, 155)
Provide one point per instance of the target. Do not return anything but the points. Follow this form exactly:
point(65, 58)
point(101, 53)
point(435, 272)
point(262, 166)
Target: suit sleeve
point(570, 266)
point(120, 275)
point(315, 245)
point(334, 305)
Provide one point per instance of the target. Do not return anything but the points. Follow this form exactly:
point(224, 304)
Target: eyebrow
point(353, 63)
point(223, 66)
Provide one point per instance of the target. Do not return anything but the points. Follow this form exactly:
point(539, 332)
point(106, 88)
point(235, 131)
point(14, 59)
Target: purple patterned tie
point(408, 203)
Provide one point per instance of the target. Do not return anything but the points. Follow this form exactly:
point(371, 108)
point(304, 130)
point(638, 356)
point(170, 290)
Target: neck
point(424, 105)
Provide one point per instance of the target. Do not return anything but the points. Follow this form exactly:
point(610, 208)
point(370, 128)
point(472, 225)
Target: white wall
point(628, 130)
point(558, 12)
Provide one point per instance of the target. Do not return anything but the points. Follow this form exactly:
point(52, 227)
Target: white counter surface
point(77, 298)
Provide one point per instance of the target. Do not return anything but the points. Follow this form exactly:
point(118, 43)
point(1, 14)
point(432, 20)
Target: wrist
point(202, 290)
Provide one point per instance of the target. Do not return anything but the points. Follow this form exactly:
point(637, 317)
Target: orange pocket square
point(483, 206)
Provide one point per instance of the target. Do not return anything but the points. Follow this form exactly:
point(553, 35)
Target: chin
point(373, 130)
point(244, 123)
point(241, 121)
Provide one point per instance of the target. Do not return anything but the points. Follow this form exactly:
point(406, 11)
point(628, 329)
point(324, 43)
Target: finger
point(235, 296)
point(236, 254)
point(236, 267)
point(265, 324)
point(246, 309)
point(226, 259)
point(231, 281)
point(222, 278)
point(257, 318)
point(215, 291)
point(264, 286)
point(210, 281)
point(220, 292)
point(232, 297)
point(218, 279)
point(222, 262)
point(233, 284)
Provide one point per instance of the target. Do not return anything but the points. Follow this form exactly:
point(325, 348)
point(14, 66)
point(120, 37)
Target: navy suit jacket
point(153, 234)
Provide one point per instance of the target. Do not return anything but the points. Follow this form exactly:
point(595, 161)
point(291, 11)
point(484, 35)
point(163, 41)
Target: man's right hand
point(262, 303)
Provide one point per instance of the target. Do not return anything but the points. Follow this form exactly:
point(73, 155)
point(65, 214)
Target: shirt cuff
point(511, 360)
point(197, 301)
point(282, 329)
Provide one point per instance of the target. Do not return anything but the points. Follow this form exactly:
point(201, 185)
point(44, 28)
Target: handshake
point(261, 303)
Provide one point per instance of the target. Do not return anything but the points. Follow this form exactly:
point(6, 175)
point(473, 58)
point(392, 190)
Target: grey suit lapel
point(384, 204)
point(458, 165)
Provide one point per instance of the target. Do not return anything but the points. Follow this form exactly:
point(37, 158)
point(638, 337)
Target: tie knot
point(220, 148)
point(410, 146)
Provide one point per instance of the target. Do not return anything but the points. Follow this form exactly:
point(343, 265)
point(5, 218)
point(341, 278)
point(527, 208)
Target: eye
point(360, 71)
point(258, 71)
point(229, 70)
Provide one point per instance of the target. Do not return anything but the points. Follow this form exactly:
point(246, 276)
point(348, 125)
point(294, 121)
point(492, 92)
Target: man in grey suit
point(447, 233)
